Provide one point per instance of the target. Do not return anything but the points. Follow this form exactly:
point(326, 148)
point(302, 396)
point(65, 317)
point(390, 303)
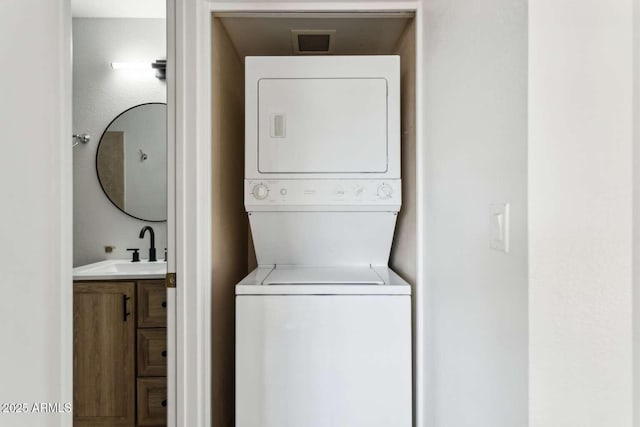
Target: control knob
point(260, 191)
point(385, 191)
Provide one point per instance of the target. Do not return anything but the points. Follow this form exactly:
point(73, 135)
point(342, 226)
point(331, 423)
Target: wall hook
point(81, 138)
point(143, 156)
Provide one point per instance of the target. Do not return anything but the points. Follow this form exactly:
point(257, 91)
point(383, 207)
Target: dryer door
point(311, 125)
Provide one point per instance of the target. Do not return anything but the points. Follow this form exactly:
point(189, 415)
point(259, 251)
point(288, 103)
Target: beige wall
point(403, 251)
point(230, 224)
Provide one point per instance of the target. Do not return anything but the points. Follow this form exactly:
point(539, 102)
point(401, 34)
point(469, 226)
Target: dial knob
point(385, 191)
point(260, 191)
point(358, 190)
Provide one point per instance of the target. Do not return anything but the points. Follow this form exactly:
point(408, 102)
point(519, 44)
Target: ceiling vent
point(312, 42)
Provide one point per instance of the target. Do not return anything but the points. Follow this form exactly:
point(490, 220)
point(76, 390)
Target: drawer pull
point(164, 353)
point(164, 304)
point(125, 312)
point(164, 403)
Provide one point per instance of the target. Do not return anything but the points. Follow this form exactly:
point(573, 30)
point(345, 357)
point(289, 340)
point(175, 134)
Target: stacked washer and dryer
point(323, 326)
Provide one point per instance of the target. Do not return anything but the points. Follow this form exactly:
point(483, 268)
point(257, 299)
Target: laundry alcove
point(235, 36)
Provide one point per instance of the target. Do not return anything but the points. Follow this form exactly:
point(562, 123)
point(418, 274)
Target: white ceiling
point(354, 35)
point(118, 8)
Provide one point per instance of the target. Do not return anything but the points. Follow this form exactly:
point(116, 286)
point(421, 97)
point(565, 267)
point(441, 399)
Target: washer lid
point(323, 276)
point(286, 280)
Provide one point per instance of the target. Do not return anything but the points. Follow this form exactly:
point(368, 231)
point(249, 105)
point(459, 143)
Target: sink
point(142, 267)
point(120, 269)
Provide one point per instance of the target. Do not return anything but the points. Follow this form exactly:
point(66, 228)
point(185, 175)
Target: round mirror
point(131, 161)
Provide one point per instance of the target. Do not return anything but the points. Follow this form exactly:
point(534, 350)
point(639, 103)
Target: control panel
point(319, 192)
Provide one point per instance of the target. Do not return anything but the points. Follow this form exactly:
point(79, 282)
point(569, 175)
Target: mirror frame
point(96, 161)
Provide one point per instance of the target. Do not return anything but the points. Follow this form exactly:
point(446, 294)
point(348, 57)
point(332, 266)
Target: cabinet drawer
point(152, 352)
point(152, 304)
point(152, 401)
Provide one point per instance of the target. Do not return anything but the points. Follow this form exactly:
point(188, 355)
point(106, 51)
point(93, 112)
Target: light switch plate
point(499, 227)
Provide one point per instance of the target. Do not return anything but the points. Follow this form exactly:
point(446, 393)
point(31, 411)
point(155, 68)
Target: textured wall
point(99, 95)
point(580, 151)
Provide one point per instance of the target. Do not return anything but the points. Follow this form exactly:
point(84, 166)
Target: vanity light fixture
point(159, 65)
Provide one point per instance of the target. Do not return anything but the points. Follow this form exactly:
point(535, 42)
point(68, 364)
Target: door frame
point(189, 223)
point(189, 46)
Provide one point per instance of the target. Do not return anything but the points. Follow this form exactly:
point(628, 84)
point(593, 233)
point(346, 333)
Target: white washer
point(319, 347)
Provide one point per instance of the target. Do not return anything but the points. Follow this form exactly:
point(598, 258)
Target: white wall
point(35, 219)
point(580, 175)
point(475, 136)
point(99, 95)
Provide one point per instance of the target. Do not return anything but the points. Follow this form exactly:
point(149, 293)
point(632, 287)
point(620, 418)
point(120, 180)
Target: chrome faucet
point(152, 248)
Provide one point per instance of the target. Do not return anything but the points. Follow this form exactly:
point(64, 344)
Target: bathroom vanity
point(120, 344)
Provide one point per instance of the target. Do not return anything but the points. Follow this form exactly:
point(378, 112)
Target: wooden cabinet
point(104, 354)
point(152, 401)
point(152, 352)
point(119, 353)
point(152, 304)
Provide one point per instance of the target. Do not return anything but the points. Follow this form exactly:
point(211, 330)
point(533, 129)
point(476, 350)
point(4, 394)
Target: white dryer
point(323, 326)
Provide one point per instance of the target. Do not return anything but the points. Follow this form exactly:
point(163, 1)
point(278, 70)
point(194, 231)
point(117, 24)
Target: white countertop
point(119, 269)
